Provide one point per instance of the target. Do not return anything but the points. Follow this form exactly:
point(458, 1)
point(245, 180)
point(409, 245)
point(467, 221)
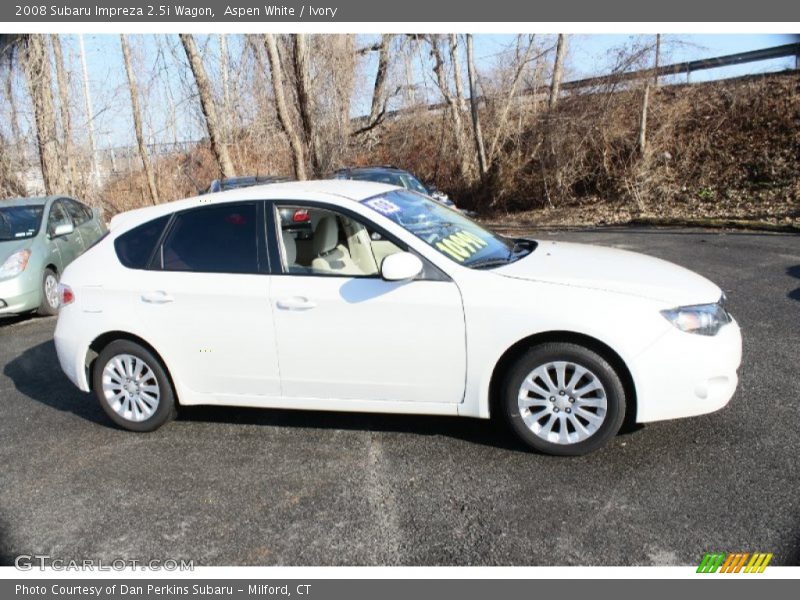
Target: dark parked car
point(393, 176)
point(230, 183)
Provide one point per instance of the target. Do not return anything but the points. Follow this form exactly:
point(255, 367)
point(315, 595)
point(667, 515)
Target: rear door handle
point(158, 297)
point(295, 303)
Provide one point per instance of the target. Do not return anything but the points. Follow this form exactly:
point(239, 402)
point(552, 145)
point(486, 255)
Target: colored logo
point(729, 562)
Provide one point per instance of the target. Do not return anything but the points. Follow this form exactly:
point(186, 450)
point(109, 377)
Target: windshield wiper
point(490, 262)
point(521, 244)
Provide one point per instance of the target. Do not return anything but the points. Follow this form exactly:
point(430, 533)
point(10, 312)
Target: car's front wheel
point(49, 303)
point(563, 399)
point(132, 386)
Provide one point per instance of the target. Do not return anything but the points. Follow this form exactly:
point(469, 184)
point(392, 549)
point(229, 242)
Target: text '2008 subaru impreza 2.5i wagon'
point(354, 296)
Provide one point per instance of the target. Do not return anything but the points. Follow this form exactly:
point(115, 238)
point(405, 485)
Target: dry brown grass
point(726, 149)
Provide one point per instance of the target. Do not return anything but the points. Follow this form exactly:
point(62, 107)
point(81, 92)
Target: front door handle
point(158, 297)
point(295, 303)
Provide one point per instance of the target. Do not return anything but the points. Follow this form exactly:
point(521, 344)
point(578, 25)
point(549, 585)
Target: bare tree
point(284, 117)
point(457, 80)
point(304, 108)
point(213, 126)
point(31, 49)
point(10, 151)
point(12, 105)
point(10, 183)
point(524, 54)
point(62, 78)
point(377, 109)
point(657, 60)
point(474, 101)
point(411, 47)
point(646, 97)
point(37, 71)
point(225, 74)
point(137, 120)
point(458, 127)
point(333, 68)
point(643, 118)
point(558, 69)
point(87, 97)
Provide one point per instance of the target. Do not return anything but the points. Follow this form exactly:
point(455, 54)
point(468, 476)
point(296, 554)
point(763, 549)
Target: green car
point(39, 237)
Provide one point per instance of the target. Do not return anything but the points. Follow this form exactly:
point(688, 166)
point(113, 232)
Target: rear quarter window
point(135, 247)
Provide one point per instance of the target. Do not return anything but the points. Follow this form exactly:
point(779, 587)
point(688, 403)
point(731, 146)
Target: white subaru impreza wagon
point(354, 296)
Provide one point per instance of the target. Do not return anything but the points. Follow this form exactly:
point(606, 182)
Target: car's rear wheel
point(132, 386)
point(563, 399)
point(49, 304)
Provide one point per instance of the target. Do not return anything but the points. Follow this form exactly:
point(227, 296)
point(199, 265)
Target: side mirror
point(63, 229)
point(401, 266)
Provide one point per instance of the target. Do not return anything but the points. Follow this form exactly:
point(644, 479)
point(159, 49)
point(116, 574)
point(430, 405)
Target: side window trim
point(158, 247)
point(262, 229)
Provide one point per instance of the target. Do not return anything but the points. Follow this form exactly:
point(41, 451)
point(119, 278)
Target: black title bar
point(452, 11)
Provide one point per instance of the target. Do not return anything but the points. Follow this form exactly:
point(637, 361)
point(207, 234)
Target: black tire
point(579, 355)
point(45, 308)
point(165, 410)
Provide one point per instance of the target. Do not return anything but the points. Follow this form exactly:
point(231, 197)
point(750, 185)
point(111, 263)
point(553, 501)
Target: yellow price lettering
point(461, 245)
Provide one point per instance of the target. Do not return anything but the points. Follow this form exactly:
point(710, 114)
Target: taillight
point(65, 295)
point(301, 216)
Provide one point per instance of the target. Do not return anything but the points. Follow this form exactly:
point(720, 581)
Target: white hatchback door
point(344, 333)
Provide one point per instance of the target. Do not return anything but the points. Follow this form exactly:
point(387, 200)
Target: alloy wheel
point(562, 402)
point(130, 387)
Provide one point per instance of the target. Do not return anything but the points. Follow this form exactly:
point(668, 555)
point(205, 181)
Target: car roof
point(30, 201)
point(372, 168)
point(330, 189)
point(264, 178)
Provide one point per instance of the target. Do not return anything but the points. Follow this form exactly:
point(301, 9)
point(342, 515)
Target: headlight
point(703, 319)
point(15, 264)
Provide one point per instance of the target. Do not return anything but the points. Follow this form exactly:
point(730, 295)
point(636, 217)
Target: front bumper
point(19, 294)
point(685, 374)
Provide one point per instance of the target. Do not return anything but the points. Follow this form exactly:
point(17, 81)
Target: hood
point(7, 248)
point(613, 270)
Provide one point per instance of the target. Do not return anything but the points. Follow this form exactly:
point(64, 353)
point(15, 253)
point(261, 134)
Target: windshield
point(20, 222)
point(412, 183)
point(449, 231)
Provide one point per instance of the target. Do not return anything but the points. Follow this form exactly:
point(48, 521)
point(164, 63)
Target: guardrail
point(691, 66)
point(621, 76)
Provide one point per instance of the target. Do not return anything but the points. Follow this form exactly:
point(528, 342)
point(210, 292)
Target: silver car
point(39, 237)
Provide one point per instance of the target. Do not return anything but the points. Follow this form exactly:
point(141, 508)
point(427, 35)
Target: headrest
point(326, 235)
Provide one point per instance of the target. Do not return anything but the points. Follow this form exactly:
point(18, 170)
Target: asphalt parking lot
point(236, 487)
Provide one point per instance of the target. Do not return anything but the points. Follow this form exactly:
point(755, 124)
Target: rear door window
point(213, 239)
